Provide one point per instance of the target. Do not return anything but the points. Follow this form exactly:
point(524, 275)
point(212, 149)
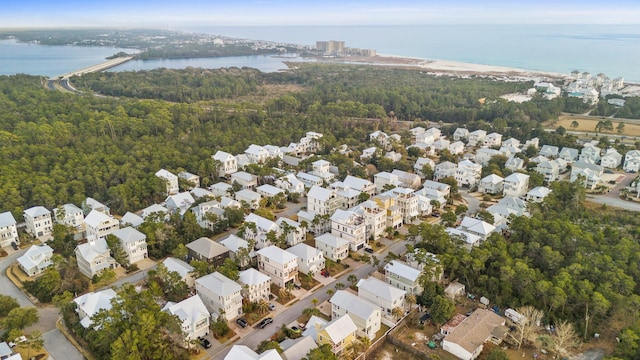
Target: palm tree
point(315, 301)
point(411, 300)
point(330, 292)
point(352, 279)
point(263, 306)
point(397, 312)
point(283, 294)
point(339, 286)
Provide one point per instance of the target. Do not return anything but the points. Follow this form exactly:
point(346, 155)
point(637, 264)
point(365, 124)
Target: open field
point(588, 124)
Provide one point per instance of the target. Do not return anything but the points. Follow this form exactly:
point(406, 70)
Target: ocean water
point(610, 49)
point(613, 50)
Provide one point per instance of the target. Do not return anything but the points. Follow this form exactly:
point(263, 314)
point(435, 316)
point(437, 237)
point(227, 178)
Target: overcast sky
point(164, 13)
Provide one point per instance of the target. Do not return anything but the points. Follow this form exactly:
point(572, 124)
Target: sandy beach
point(455, 68)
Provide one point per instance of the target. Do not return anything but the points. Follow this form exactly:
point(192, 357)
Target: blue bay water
point(613, 50)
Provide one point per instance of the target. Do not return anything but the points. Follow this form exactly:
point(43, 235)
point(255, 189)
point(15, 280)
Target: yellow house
point(393, 211)
point(339, 333)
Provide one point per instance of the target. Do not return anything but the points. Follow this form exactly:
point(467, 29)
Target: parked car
point(242, 322)
point(265, 322)
point(295, 329)
point(204, 342)
point(324, 273)
point(369, 250)
point(14, 246)
point(435, 214)
point(272, 306)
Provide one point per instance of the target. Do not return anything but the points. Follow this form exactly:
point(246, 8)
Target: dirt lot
point(588, 124)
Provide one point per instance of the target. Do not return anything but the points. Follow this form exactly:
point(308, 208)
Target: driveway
point(292, 313)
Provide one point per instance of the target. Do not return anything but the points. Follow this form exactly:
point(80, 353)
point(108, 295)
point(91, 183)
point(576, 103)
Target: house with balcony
point(407, 201)
point(358, 184)
point(514, 163)
point(460, 134)
point(549, 169)
point(569, 154)
point(133, 242)
point(339, 333)
point(365, 315)
point(256, 154)
point(444, 169)
point(293, 231)
point(493, 139)
point(38, 222)
point(387, 202)
point(483, 155)
point(590, 154)
point(477, 227)
point(347, 196)
point(190, 180)
point(549, 151)
point(348, 225)
point(516, 184)
point(611, 159)
point(240, 250)
point(8, 230)
point(69, 215)
point(383, 295)
point(468, 173)
point(170, 180)
point(321, 169)
point(280, 265)
point(456, 148)
point(246, 180)
point(257, 228)
point(205, 249)
point(249, 197)
point(491, 184)
point(99, 225)
point(476, 138)
point(291, 184)
point(632, 161)
point(374, 217)
point(332, 247)
point(309, 180)
point(403, 276)
point(466, 239)
point(221, 189)
point(180, 202)
point(256, 286)
point(420, 163)
point(590, 174)
point(194, 318)
point(94, 257)
point(182, 268)
point(310, 259)
point(387, 179)
point(441, 144)
point(538, 194)
point(407, 179)
point(322, 201)
point(35, 260)
point(219, 293)
point(91, 303)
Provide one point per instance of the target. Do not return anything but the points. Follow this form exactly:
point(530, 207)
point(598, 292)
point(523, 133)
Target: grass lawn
point(225, 338)
point(383, 329)
point(307, 282)
point(275, 290)
point(334, 267)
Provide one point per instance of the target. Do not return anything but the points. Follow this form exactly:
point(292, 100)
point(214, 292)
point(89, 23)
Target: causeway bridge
point(62, 82)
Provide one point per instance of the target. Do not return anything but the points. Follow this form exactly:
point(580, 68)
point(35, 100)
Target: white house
point(456, 148)
point(477, 227)
point(322, 201)
point(38, 222)
point(193, 315)
point(385, 296)
point(468, 173)
point(93, 204)
point(8, 230)
point(538, 194)
point(549, 151)
point(269, 191)
point(441, 144)
point(91, 303)
point(612, 159)
point(100, 225)
point(632, 161)
point(477, 137)
point(493, 139)
point(514, 163)
point(466, 341)
point(182, 268)
point(569, 154)
point(280, 265)
point(491, 184)
point(374, 218)
point(131, 219)
point(420, 163)
point(94, 256)
point(444, 169)
point(291, 184)
point(468, 239)
point(246, 180)
point(133, 242)
point(349, 226)
point(380, 137)
point(407, 179)
point(241, 352)
point(320, 168)
point(158, 210)
point(256, 154)
point(516, 184)
point(218, 292)
point(221, 189)
point(460, 134)
point(365, 315)
point(239, 250)
point(590, 153)
point(483, 155)
point(309, 180)
point(368, 153)
point(359, 184)
point(256, 286)
point(590, 173)
point(192, 180)
point(333, 248)
point(180, 202)
point(250, 197)
point(407, 201)
point(69, 215)
point(310, 260)
point(347, 196)
point(383, 179)
point(259, 232)
point(294, 233)
point(35, 260)
point(297, 349)
point(549, 169)
point(171, 181)
point(403, 277)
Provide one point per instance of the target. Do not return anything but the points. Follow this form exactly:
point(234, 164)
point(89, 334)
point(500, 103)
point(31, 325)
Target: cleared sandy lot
point(588, 124)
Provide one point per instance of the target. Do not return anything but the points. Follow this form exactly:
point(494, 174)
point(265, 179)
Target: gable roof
point(252, 276)
point(473, 331)
point(517, 177)
point(35, 256)
point(207, 247)
point(402, 269)
point(129, 235)
point(304, 251)
point(95, 218)
point(36, 211)
point(165, 174)
point(274, 253)
point(91, 303)
point(189, 310)
point(476, 225)
point(338, 329)
point(131, 218)
point(380, 288)
point(299, 348)
point(7, 219)
point(241, 352)
point(262, 223)
point(93, 249)
point(219, 284)
point(539, 191)
point(332, 240)
point(467, 237)
point(320, 193)
point(178, 266)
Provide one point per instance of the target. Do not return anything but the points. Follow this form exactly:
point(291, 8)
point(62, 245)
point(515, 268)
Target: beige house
point(99, 225)
point(94, 256)
point(467, 340)
point(365, 315)
point(280, 265)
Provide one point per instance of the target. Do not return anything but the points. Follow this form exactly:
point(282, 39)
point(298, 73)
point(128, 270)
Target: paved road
point(473, 204)
point(8, 288)
point(612, 197)
point(59, 347)
point(294, 311)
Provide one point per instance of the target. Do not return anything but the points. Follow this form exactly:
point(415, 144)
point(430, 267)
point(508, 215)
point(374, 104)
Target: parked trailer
point(514, 316)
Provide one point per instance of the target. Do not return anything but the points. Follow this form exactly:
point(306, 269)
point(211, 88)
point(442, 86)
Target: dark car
point(204, 342)
point(14, 246)
point(265, 322)
point(435, 214)
point(242, 323)
point(296, 329)
point(369, 250)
